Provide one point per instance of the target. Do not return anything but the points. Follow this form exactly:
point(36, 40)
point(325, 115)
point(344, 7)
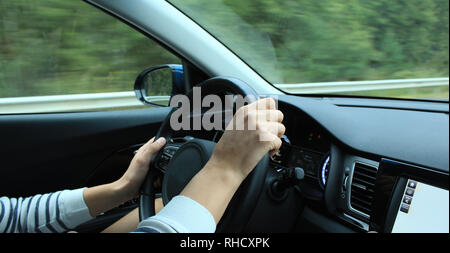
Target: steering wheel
point(181, 158)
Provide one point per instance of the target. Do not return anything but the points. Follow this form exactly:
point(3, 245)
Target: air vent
point(362, 188)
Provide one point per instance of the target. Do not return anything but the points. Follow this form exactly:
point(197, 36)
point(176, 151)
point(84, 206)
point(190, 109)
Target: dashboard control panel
point(310, 161)
point(314, 164)
point(423, 208)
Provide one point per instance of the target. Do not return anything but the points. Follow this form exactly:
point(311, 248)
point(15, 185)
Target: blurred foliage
point(51, 47)
point(158, 82)
point(331, 40)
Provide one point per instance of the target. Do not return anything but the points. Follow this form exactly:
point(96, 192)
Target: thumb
point(151, 147)
point(144, 155)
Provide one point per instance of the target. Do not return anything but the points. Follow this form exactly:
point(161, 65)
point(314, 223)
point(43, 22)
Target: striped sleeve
point(48, 213)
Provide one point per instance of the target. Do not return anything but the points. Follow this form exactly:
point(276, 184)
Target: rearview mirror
point(155, 85)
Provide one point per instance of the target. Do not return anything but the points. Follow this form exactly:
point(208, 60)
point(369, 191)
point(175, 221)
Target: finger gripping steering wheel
point(182, 158)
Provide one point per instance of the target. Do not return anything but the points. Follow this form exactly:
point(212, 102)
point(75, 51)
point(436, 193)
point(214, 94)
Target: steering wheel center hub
point(185, 163)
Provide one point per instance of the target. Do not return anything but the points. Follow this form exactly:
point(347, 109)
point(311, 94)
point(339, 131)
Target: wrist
point(224, 172)
point(214, 186)
point(102, 198)
point(123, 190)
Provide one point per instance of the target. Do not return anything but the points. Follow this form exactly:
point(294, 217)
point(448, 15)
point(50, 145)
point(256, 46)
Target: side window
point(69, 56)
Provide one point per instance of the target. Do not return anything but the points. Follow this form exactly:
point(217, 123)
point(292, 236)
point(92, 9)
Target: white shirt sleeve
point(180, 215)
point(75, 210)
point(47, 213)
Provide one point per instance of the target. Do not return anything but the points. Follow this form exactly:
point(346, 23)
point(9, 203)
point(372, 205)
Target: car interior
point(348, 164)
point(358, 158)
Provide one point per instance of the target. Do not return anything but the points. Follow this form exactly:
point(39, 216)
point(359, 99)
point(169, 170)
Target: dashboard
point(365, 167)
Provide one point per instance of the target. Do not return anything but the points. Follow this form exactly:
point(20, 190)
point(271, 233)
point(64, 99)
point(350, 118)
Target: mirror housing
point(156, 85)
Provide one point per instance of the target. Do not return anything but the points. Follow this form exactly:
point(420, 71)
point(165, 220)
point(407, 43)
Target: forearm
point(102, 198)
point(213, 187)
point(200, 205)
point(129, 222)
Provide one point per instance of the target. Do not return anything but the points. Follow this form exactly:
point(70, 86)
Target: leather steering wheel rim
point(245, 198)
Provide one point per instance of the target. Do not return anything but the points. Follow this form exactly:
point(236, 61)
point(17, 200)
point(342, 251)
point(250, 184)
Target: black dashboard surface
point(409, 135)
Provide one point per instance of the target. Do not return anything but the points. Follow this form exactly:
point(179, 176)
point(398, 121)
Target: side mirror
point(155, 85)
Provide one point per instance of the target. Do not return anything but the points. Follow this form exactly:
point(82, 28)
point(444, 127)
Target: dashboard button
point(412, 184)
point(404, 208)
point(407, 200)
point(410, 192)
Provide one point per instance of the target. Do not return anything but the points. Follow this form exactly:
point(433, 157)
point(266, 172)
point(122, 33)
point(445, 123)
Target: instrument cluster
point(306, 145)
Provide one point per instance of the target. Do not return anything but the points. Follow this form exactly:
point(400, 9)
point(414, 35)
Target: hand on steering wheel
point(241, 149)
point(236, 155)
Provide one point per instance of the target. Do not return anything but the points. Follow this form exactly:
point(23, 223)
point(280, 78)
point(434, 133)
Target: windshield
point(388, 48)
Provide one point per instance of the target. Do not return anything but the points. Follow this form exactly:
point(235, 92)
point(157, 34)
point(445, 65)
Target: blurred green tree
point(51, 47)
